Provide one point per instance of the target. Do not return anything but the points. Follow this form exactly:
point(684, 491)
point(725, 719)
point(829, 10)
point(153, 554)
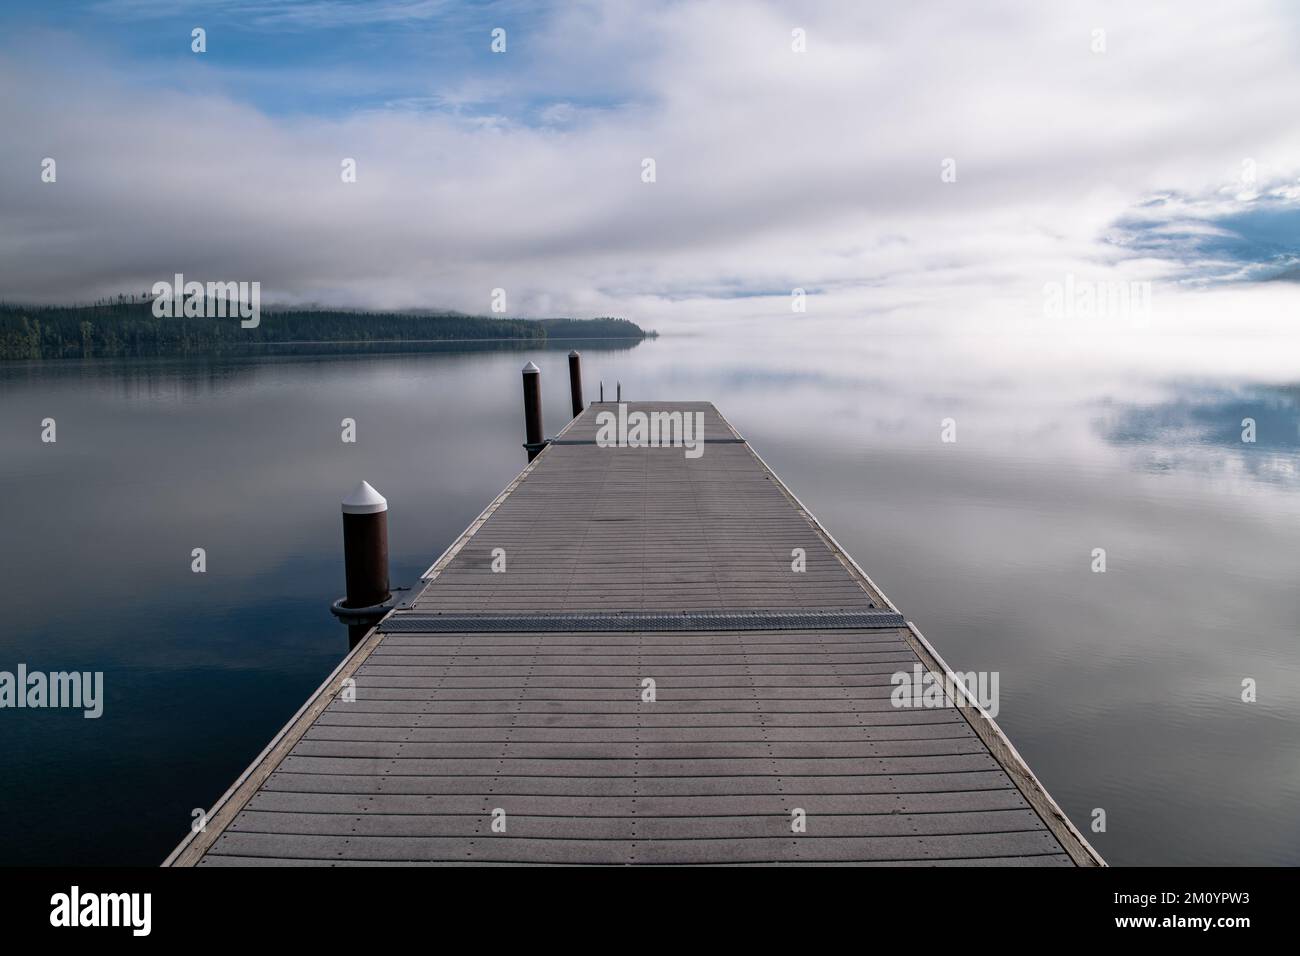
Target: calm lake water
point(1122, 689)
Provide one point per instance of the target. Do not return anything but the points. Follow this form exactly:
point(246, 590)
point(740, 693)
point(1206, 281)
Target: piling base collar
point(362, 615)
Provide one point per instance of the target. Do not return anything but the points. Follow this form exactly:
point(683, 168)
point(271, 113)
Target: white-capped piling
point(365, 547)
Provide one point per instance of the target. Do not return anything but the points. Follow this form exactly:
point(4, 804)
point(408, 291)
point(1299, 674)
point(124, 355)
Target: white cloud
point(775, 169)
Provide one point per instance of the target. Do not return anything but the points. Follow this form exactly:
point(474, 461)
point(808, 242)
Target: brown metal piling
point(533, 410)
point(575, 382)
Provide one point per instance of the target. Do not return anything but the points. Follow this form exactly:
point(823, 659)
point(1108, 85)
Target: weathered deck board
point(480, 845)
point(1038, 861)
point(549, 726)
point(720, 786)
point(660, 807)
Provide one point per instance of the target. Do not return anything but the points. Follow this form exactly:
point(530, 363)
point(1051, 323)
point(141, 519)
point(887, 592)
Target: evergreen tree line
point(128, 327)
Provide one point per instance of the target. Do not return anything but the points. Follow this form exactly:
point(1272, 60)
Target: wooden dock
point(504, 716)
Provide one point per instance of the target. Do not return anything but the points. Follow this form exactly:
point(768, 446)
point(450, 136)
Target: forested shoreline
point(127, 328)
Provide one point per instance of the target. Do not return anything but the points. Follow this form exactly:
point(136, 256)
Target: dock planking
point(519, 694)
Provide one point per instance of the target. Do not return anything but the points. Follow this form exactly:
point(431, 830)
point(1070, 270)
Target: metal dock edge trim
point(986, 728)
point(195, 845)
point(1004, 752)
point(454, 548)
point(846, 559)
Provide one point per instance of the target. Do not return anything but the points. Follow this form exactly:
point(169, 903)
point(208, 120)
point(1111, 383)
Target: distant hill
point(129, 328)
point(592, 329)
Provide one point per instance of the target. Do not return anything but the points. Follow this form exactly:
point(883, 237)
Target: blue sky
point(325, 57)
point(776, 169)
point(1255, 240)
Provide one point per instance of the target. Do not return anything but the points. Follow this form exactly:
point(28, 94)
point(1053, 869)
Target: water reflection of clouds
point(1201, 428)
point(987, 543)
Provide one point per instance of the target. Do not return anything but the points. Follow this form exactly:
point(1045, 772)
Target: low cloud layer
point(775, 169)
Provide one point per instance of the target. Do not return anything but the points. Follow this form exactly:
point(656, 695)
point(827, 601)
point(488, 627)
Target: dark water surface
point(1122, 689)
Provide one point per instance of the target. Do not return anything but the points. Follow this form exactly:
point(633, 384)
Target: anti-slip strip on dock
point(423, 622)
point(592, 441)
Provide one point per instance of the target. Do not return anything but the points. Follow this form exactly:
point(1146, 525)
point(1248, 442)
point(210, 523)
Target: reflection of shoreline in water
point(360, 346)
point(601, 344)
point(203, 373)
point(990, 538)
